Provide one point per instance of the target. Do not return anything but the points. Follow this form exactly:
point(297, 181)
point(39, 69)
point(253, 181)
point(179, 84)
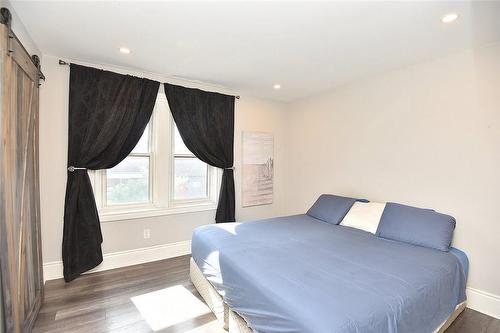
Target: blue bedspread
point(299, 274)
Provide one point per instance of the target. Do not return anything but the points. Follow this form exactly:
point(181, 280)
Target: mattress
point(462, 257)
point(233, 323)
point(298, 274)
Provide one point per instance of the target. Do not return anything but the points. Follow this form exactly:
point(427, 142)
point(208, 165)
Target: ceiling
point(307, 47)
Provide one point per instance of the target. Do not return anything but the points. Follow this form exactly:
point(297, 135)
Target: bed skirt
point(234, 323)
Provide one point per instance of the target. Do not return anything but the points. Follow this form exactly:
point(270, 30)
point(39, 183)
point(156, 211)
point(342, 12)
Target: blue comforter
point(299, 274)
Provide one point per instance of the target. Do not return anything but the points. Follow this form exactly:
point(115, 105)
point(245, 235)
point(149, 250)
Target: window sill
point(131, 214)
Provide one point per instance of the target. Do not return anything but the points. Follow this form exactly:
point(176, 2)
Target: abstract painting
point(258, 169)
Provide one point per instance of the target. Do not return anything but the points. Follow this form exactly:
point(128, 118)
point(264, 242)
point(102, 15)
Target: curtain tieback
point(73, 168)
point(230, 168)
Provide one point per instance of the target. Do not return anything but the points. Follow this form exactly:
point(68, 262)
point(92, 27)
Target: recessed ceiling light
point(277, 86)
point(124, 50)
point(448, 18)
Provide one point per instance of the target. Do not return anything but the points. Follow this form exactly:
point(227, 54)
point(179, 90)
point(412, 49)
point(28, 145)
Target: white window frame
point(161, 177)
point(211, 176)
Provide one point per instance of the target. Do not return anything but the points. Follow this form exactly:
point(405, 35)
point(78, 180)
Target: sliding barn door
point(20, 246)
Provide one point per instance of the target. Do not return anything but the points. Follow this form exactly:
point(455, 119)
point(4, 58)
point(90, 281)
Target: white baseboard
point(483, 302)
point(54, 270)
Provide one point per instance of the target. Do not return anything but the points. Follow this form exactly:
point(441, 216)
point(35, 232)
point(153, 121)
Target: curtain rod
point(64, 63)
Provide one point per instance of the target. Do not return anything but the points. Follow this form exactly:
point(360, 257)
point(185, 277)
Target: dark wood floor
point(102, 302)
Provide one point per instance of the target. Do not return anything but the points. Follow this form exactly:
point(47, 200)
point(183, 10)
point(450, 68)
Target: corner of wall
point(21, 32)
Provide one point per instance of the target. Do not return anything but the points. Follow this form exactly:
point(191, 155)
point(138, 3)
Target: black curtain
point(108, 113)
point(206, 124)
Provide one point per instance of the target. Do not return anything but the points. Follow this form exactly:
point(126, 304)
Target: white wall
point(263, 116)
point(251, 114)
point(427, 135)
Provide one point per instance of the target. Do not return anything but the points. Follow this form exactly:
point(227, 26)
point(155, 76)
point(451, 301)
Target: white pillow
point(364, 215)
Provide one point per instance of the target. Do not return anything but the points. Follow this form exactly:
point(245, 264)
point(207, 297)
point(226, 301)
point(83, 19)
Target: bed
point(300, 274)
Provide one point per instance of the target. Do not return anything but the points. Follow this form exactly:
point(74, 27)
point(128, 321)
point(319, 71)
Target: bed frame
point(234, 323)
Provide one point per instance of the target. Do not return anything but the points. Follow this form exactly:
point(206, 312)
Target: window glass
point(128, 182)
point(143, 144)
point(190, 179)
point(179, 146)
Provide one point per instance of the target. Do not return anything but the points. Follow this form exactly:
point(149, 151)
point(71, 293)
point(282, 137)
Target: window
point(190, 174)
point(129, 182)
point(160, 176)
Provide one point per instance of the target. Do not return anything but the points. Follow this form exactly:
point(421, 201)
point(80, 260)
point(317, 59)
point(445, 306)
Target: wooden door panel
point(20, 245)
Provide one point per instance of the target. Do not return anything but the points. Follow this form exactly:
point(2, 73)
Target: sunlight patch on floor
point(167, 307)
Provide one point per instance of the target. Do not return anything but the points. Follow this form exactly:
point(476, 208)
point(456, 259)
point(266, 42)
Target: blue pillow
point(331, 208)
point(418, 226)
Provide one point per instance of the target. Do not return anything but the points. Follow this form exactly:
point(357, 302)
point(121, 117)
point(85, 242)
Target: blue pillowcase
point(331, 208)
point(423, 227)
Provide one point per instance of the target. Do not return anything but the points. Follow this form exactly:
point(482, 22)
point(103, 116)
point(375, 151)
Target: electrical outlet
point(147, 233)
